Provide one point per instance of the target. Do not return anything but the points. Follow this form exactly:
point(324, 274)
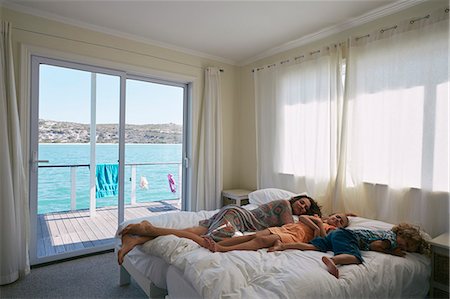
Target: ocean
point(54, 183)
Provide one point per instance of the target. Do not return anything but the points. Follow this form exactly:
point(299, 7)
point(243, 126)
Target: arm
point(286, 215)
point(315, 223)
point(384, 247)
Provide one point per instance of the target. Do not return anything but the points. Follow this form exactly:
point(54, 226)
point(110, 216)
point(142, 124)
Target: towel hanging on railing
point(107, 180)
point(172, 184)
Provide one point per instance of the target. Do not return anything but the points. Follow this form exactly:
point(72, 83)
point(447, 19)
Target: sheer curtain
point(396, 140)
point(298, 112)
point(209, 164)
point(14, 210)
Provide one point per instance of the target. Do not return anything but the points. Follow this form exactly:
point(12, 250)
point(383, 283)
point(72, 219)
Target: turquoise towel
point(107, 183)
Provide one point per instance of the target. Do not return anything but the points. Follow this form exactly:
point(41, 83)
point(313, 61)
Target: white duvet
point(290, 273)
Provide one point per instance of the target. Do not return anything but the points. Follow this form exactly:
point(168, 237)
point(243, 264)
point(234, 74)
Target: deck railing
point(73, 178)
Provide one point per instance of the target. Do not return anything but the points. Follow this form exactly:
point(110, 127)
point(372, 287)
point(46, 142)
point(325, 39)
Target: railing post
point(180, 180)
point(133, 184)
point(73, 188)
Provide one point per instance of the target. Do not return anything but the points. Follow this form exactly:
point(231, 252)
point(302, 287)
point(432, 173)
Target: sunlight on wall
point(389, 137)
point(441, 146)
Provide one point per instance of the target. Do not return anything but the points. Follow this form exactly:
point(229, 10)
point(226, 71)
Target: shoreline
point(63, 143)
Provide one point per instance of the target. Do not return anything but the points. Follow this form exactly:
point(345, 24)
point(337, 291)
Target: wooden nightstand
point(236, 196)
point(439, 267)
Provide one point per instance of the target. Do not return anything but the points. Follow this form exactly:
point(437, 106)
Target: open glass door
point(91, 170)
point(154, 135)
point(75, 129)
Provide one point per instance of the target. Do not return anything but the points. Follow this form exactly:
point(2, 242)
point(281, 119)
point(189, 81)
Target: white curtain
point(298, 114)
point(396, 166)
point(209, 157)
point(14, 209)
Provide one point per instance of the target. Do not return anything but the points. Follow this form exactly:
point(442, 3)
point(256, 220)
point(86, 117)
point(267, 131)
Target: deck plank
point(78, 229)
point(68, 231)
point(72, 236)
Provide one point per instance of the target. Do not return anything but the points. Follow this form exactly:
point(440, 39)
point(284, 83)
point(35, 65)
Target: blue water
point(54, 187)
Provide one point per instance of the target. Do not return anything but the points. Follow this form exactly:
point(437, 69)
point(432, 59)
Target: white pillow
point(264, 196)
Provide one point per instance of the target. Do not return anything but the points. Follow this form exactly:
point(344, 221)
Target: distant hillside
point(66, 132)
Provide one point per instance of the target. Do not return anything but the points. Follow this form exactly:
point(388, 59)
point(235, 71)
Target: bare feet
point(144, 228)
point(277, 246)
point(214, 246)
point(128, 243)
point(208, 242)
point(331, 266)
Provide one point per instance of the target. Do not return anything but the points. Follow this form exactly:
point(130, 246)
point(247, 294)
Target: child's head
point(410, 239)
point(338, 220)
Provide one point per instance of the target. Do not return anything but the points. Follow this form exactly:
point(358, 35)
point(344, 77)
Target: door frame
point(34, 59)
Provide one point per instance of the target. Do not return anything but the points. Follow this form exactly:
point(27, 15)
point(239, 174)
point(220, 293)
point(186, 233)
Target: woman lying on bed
point(224, 223)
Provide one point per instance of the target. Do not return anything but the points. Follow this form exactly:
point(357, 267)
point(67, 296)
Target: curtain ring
point(446, 10)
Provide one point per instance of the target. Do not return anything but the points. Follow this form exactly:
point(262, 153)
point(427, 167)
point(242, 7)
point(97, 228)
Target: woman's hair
point(314, 209)
point(411, 232)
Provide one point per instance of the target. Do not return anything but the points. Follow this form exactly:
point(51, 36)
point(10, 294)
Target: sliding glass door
point(153, 146)
point(93, 164)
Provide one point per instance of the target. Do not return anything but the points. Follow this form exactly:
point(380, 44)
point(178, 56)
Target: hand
point(398, 252)
point(316, 232)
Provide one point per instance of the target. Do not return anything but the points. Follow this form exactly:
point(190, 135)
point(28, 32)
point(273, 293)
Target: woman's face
point(301, 206)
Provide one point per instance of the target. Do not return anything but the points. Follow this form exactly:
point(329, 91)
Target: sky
point(64, 95)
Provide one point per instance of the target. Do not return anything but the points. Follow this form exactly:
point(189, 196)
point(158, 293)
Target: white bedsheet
point(288, 274)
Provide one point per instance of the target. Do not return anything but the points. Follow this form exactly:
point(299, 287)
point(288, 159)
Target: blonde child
point(346, 244)
point(305, 230)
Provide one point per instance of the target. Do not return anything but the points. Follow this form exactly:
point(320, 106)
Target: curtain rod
point(109, 47)
point(412, 21)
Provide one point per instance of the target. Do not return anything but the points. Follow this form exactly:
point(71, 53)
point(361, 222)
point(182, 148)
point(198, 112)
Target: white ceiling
point(236, 32)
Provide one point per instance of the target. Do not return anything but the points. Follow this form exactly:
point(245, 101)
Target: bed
point(179, 268)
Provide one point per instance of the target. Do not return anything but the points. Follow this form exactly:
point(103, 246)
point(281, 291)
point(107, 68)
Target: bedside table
point(439, 266)
point(237, 196)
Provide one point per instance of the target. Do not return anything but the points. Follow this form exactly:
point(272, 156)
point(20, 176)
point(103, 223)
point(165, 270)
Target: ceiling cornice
point(329, 31)
point(117, 33)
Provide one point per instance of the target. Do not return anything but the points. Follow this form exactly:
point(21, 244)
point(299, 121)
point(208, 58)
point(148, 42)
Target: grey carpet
point(89, 277)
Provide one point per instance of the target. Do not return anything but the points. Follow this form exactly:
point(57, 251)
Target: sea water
point(54, 183)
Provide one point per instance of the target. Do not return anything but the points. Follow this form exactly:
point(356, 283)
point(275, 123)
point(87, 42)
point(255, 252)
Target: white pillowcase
point(264, 196)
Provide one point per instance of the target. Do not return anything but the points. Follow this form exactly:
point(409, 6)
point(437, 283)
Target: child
point(304, 231)
point(346, 244)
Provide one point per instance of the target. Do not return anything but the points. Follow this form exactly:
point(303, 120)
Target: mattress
point(285, 274)
point(152, 267)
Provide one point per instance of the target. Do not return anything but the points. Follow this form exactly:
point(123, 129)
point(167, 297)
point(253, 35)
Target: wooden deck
point(73, 230)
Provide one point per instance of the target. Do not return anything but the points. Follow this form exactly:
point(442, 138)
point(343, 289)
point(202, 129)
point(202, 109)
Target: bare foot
point(128, 243)
point(213, 245)
point(206, 242)
point(144, 228)
point(331, 266)
point(277, 246)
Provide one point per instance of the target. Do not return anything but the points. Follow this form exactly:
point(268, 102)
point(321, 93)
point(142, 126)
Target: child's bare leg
point(345, 259)
point(254, 244)
point(128, 243)
point(277, 246)
point(243, 239)
point(331, 266)
point(340, 259)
